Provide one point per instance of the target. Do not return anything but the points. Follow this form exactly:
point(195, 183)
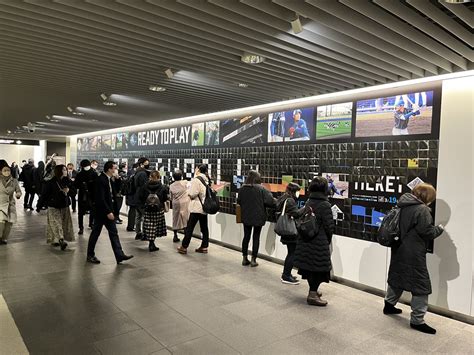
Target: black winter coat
point(253, 201)
point(408, 270)
point(103, 196)
point(315, 255)
point(292, 210)
point(84, 184)
point(140, 179)
point(28, 176)
point(53, 195)
point(152, 187)
point(38, 176)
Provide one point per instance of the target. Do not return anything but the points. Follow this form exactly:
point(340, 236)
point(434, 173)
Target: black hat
point(85, 163)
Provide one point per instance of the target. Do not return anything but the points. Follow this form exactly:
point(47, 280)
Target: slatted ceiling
point(62, 53)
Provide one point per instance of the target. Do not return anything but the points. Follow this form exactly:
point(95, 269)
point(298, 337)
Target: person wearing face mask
point(119, 181)
point(253, 199)
point(9, 187)
point(95, 166)
point(140, 180)
point(27, 177)
point(290, 197)
point(104, 216)
point(84, 184)
point(71, 174)
point(55, 196)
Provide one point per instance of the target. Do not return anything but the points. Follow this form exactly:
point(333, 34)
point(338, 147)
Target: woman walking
point(152, 198)
point(312, 257)
point(291, 209)
point(197, 193)
point(253, 200)
point(408, 270)
point(9, 186)
point(180, 203)
point(56, 197)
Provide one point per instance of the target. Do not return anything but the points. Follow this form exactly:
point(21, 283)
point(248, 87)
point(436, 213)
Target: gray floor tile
point(203, 346)
point(137, 342)
point(111, 325)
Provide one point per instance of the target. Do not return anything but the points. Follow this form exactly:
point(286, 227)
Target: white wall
point(17, 153)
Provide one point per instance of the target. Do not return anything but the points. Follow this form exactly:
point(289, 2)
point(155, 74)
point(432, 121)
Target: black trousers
point(113, 236)
point(132, 214)
point(290, 257)
point(72, 197)
point(29, 197)
point(118, 206)
point(80, 217)
point(194, 218)
point(255, 240)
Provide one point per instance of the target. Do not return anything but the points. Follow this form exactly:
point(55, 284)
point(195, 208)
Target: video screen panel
point(197, 132)
point(246, 130)
point(291, 126)
point(334, 121)
point(398, 115)
point(212, 133)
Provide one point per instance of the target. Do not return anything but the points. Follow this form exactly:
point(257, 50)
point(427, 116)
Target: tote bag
point(285, 225)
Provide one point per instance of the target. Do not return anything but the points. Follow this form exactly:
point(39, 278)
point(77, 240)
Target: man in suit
point(104, 215)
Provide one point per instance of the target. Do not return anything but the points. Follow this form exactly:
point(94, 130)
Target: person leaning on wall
point(9, 188)
point(408, 270)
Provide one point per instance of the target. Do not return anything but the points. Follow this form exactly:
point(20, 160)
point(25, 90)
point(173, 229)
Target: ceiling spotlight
point(48, 117)
point(9, 132)
point(296, 25)
point(169, 73)
point(69, 108)
point(109, 103)
point(250, 58)
point(156, 88)
point(243, 85)
point(55, 120)
point(104, 97)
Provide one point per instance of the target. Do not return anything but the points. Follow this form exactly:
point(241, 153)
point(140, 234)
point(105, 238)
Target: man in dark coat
point(28, 177)
point(140, 179)
point(408, 270)
point(84, 184)
point(104, 216)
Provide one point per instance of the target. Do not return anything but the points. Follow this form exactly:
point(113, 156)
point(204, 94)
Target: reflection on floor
point(165, 303)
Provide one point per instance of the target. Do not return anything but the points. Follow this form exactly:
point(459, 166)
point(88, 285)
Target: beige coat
point(180, 203)
point(7, 200)
point(197, 190)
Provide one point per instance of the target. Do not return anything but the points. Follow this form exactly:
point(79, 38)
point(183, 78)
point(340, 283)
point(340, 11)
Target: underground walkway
point(164, 303)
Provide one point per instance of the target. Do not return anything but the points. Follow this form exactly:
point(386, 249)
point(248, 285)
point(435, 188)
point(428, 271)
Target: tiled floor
point(164, 303)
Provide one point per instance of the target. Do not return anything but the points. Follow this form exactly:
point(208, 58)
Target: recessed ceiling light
point(48, 117)
point(457, 1)
point(9, 132)
point(104, 96)
point(55, 120)
point(69, 108)
point(243, 85)
point(18, 142)
point(250, 58)
point(94, 120)
point(169, 73)
point(109, 103)
point(156, 88)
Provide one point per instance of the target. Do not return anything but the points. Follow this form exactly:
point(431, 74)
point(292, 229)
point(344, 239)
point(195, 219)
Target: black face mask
point(146, 166)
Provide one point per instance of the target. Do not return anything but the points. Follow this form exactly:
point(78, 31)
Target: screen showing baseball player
point(404, 114)
point(291, 126)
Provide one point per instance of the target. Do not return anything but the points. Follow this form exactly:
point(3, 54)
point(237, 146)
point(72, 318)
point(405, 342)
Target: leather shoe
point(124, 258)
point(93, 260)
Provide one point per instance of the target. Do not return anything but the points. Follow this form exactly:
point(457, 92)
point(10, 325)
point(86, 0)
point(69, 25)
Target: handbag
point(238, 213)
point(166, 206)
point(285, 225)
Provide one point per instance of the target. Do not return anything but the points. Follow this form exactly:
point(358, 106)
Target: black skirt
point(154, 224)
point(315, 276)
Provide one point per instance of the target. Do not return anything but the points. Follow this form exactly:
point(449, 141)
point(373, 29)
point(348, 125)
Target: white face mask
point(6, 173)
point(297, 194)
point(87, 168)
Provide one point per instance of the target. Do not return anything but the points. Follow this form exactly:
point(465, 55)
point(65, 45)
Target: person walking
point(27, 177)
point(253, 199)
point(130, 198)
point(313, 257)
point(15, 170)
point(39, 184)
point(140, 179)
point(408, 270)
point(9, 187)
point(84, 184)
point(152, 198)
point(291, 209)
point(180, 203)
point(72, 174)
point(55, 196)
point(119, 182)
point(104, 216)
point(197, 193)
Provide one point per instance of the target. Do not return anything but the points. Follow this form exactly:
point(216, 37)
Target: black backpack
point(211, 203)
point(129, 188)
point(153, 203)
point(389, 230)
point(308, 226)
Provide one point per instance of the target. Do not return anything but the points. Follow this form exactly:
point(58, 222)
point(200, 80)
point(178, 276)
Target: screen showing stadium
point(398, 115)
point(291, 126)
point(334, 121)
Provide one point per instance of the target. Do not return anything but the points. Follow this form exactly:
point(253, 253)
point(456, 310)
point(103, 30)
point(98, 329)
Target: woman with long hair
point(55, 196)
point(9, 188)
point(253, 200)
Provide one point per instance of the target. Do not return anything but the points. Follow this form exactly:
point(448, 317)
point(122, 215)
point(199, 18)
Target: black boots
point(152, 247)
point(424, 328)
point(314, 299)
point(391, 309)
point(62, 244)
point(254, 263)
point(245, 261)
point(175, 238)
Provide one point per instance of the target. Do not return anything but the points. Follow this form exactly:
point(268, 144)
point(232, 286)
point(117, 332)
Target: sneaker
point(81, 231)
point(289, 280)
point(3, 242)
point(130, 229)
point(93, 260)
point(139, 236)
